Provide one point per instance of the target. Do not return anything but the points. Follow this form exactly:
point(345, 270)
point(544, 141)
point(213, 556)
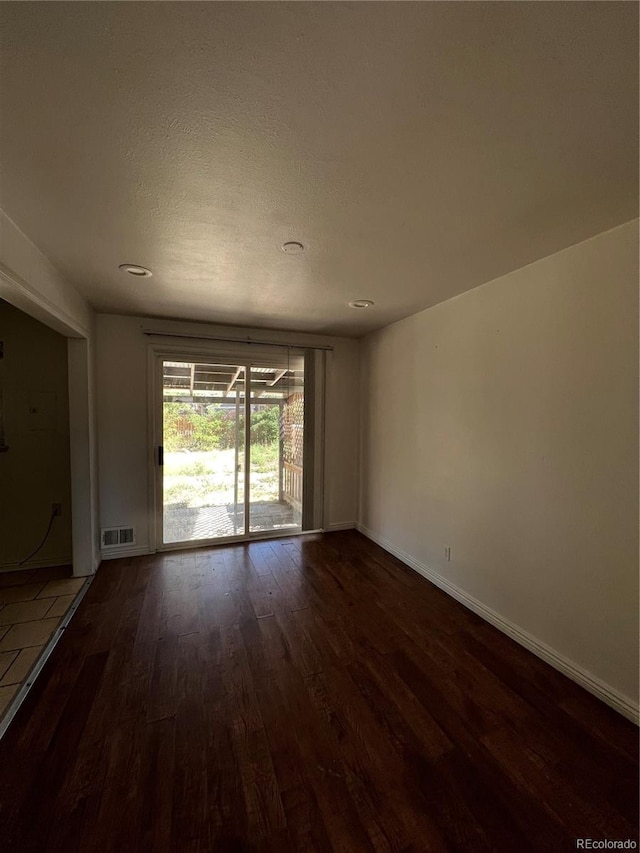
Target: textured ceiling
point(418, 150)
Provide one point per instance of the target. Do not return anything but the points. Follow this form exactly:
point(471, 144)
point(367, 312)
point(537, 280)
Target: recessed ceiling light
point(361, 303)
point(293, 247)
point(134, 269)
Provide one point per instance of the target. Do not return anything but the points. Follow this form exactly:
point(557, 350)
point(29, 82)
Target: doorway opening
point(37, 590)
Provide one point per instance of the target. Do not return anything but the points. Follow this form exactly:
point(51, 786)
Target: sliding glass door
point(230, 463)
point(203, 450)
point(276, 446)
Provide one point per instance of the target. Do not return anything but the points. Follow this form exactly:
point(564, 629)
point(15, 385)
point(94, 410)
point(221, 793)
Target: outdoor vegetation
point(199, 457)
point(215, 427)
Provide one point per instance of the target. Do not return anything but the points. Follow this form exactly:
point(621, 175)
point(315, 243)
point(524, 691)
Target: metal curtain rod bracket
point(247, 340)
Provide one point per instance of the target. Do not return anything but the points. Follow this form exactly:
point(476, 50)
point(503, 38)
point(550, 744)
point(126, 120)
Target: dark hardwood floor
point(304, 694)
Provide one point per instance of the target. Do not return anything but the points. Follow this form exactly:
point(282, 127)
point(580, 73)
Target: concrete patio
point(189, 524)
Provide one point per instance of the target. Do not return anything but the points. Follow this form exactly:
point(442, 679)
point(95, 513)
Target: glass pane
point(203, 439)
point(276, 434)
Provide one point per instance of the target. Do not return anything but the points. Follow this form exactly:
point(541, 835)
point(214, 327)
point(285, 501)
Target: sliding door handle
point(160, 455)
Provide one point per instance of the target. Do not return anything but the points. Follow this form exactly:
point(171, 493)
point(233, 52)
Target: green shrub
point(187, 429)
point(215, 428)
point(265, 426)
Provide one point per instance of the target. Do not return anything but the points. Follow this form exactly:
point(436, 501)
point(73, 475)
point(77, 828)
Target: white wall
point(35, 471)
point(122, 392)
point(504, 424)
point(84, 455)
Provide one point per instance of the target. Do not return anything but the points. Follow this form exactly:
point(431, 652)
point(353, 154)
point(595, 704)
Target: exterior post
point(236, 463)
point(280, 454)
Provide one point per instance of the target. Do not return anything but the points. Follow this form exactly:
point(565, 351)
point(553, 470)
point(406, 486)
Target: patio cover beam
point(234, 380)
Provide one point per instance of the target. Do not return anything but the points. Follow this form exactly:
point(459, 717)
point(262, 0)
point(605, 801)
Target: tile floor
point(32, 605)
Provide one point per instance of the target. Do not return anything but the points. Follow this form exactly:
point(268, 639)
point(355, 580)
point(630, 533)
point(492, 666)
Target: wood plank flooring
point(303, 694)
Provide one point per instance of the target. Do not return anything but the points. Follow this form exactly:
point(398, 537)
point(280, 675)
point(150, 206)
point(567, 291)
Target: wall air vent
point(117, 537)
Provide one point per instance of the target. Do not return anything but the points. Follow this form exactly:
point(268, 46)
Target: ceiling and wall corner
point(416, 150)
point(29, 281)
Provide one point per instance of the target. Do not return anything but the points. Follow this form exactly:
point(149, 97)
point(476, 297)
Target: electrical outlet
point(56, 509)
point(447, 553)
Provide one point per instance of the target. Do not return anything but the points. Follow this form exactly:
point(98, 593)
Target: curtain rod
point(247, 340)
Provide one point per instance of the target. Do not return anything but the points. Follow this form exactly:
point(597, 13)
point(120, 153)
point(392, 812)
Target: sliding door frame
point(258, 357)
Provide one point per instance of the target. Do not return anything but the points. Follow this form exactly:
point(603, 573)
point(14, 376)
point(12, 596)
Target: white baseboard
point(599, 688)
point(117, 553)
point(340, 525)
point(35, 564)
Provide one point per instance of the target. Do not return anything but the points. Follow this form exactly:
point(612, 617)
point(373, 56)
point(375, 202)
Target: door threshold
point(235, 540)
